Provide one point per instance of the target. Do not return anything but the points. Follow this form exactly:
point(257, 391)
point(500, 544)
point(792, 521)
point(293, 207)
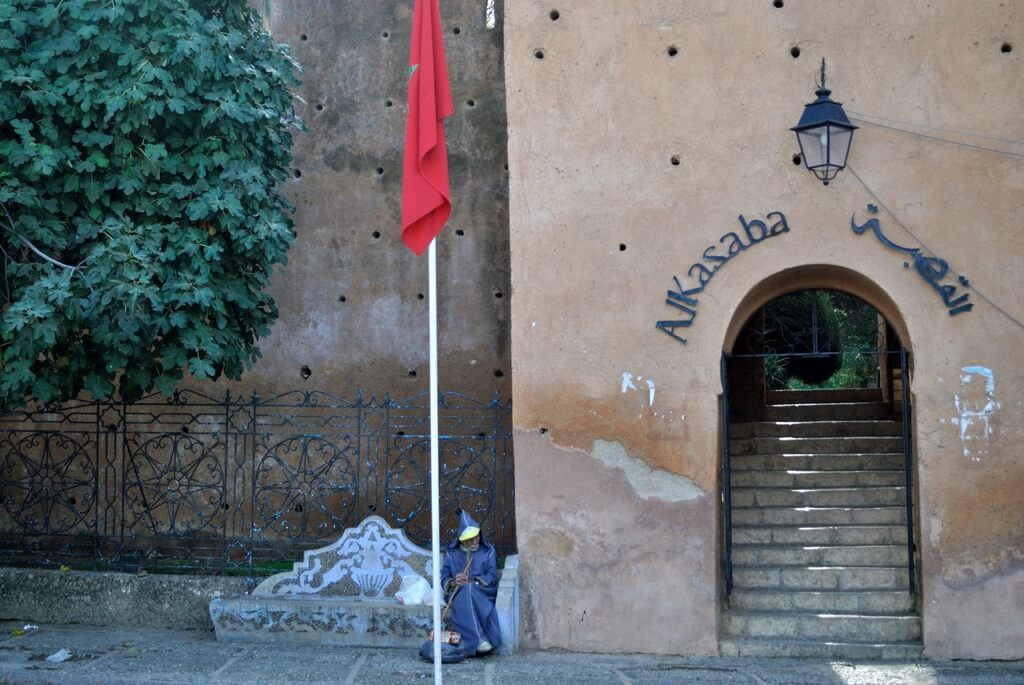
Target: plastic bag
point(414, 590)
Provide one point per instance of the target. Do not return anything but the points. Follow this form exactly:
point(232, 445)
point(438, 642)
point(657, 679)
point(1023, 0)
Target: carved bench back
point(366, 561)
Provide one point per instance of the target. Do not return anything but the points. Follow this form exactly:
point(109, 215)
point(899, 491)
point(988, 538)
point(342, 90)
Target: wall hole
point(388, 103)
point(539, 54)
point(400, 434)
point(622, 247)
point(184, 429)
point(380, 171)
point(342, 298)
point(419, 296)
point(376, 235)
point(305, 372)
point(498, 373)
point(675, 160)
point(319, 107)
point(297, 173)
point(554, 15)
point(499, 294)
point(459, 231)
point(470, 103)
point(303, 37)
point(481, 435)
point(672, 51)
point(777, 4)
point(797, 160)
point(795, 52)
point(72, 501)
point(412, 373)
point(543, 430)
point(225, 506)
point(1005, 48)
point(456, 30)
point(506, 167)
point(384, 35)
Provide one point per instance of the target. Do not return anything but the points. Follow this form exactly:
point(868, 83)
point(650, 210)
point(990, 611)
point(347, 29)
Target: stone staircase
point(819, 536)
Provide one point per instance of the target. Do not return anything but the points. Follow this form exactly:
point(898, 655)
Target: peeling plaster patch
point(650, 389)
point(936, 530)
point(627, 382)
point(644, 480)
point(975, 405)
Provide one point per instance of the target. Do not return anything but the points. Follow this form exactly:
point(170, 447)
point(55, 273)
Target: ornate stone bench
point(344, 594)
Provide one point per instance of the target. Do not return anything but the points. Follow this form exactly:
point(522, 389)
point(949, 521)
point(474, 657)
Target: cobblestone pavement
point(122, 656)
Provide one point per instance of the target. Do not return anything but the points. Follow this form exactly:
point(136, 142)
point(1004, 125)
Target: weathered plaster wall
point(638, 132)
point(352, 297)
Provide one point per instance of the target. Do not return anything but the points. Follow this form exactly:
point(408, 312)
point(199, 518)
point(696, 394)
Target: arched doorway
point(818, 506)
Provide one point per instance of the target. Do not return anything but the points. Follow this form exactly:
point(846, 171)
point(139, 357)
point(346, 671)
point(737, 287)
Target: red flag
point(426, 198)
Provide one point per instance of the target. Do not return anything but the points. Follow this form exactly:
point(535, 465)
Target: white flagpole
point(435, 495)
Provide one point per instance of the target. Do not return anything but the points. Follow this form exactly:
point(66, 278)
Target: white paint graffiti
point(627, 385)
point(975, 405)
point(492, 19)
point(627, 382)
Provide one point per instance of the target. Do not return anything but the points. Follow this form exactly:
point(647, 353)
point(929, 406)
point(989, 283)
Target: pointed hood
point(468, 528)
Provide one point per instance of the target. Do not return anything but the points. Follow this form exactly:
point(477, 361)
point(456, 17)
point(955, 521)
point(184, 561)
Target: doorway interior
point(818, 495)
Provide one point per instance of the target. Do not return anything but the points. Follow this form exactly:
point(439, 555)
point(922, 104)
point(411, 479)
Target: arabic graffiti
point(732, 243)
point(931, 269)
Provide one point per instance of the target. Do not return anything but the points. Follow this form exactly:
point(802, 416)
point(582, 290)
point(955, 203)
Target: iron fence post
point(907, 469)
point(726, 474)
point(250, 553)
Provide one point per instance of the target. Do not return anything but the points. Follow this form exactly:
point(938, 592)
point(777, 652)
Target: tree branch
point(28, 243)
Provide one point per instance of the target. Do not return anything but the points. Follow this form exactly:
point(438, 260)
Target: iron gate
point(241, 485)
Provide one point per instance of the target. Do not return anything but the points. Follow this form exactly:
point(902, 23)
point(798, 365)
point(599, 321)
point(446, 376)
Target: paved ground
point(114, 656)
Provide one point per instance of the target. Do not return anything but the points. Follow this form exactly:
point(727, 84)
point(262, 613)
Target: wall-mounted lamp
point(824, 134)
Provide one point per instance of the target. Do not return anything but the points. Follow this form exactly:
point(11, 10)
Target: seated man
point(470, 570)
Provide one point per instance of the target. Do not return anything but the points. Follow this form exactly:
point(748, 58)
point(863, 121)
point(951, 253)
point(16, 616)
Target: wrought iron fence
point(241, 485)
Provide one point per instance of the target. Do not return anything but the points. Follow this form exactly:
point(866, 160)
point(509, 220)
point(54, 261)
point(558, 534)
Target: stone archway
point(818, 553)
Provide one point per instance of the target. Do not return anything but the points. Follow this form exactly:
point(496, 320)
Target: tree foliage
point(141, 144)
point(814, 337)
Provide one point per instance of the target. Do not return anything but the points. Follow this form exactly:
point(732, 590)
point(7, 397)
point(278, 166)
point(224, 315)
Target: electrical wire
point(1008, 153)
point(862, 115)
point(927, 249)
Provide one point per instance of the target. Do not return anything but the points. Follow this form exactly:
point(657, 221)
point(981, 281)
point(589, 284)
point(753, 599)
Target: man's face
point(472, 544)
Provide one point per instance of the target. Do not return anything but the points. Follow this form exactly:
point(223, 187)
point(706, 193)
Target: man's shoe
point(484, 647)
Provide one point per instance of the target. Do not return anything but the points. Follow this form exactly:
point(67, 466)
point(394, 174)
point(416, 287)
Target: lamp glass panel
point(840, 145)
point(814, 144)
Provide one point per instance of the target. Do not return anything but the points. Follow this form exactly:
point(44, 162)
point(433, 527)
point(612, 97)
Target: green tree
point(813, 338)
point(141, 145)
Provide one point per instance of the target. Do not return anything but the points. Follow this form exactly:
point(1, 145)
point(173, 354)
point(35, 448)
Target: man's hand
point(461, 579)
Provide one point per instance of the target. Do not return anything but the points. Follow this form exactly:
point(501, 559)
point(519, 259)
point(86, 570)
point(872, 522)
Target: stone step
point(785, 445)
point(821, 535)
point(824, 461)
point(820, 578)
point(815, 412)
point(802, 555)
point(881, 602)
point(819, 497)
point(805, 649)
point(814, 429)
point(846, 627)
point(823, 396)
point(817, 516)
point(816, 479)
